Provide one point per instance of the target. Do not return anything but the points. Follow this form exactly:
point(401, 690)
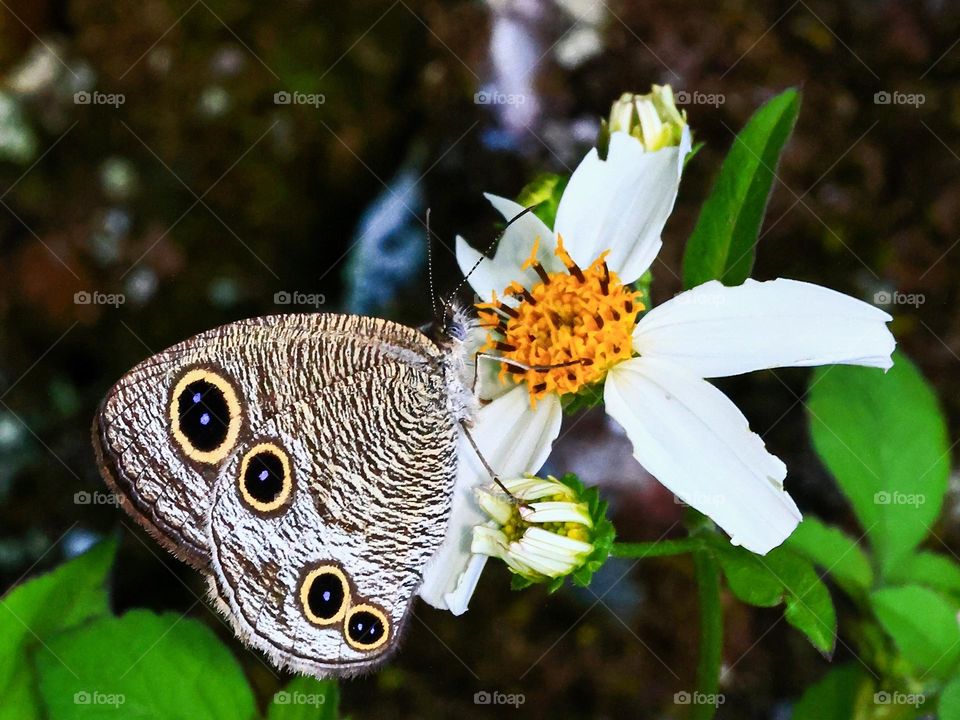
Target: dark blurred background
point(147, 151)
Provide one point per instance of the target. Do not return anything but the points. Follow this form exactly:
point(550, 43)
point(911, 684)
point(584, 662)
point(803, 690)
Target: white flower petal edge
point(496, 273)
point(696, 442)
point(515, 439)
point(716, 331)
point(621, 204)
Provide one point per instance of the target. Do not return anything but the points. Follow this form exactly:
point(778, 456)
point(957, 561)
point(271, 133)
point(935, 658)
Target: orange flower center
point(567, 331)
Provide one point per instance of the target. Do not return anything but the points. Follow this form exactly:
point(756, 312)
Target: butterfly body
point(306, 464)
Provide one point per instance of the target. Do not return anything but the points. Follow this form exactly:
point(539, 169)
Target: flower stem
point(657, 548)
point(711, 634)
point(711, 613)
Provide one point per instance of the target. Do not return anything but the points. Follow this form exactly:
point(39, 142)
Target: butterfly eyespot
point(325, 595)
point(266, 482)
point(366, 627)
point(205, 415)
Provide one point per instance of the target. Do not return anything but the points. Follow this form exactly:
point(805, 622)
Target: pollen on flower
point(515, 526)
point(566, 331)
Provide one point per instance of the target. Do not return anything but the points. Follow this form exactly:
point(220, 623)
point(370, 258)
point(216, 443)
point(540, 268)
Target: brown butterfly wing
point(265, 363)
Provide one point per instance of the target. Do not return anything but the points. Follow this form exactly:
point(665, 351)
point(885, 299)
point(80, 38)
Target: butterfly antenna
point(483, 257)
point(433, 293)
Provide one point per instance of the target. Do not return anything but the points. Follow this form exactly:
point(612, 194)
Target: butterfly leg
point(515, 363)
point(486, 465)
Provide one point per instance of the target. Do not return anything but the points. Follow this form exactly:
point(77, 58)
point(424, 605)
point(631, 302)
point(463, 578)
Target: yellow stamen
point(570, 328)
point(532, 260)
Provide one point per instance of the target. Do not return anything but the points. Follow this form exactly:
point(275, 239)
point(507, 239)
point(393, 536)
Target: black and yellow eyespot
point(266, 480)
point(205, 415)
point(366, 627)
point(325, 595)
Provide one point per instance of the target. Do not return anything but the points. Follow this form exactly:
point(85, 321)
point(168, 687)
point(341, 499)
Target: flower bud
point(653, 119)
point(544, 532)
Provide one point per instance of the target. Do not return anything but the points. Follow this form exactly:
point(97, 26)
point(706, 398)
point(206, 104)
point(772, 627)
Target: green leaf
point(723, 243)
point(835, 552)
point(884, 439)
point(544, 191)
point(40, 608)
point(937, 572)
point(836, 696)
point(306, 699)
point(143, 665)
point(782, 576)
point(949, 707)
point(923, 626)
point(750, 581)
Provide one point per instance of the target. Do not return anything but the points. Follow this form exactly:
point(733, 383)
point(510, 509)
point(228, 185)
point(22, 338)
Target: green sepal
point(544, 193)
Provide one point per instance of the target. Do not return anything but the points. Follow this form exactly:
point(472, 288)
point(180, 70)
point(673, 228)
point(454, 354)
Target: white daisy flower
point(563, 298)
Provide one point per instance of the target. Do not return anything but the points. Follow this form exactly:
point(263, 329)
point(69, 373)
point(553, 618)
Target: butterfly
point(305, 463)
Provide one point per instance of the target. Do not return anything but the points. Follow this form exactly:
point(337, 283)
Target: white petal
point(555, 511)
point(539, 562)
point(495, 506)
point(621, 204)
point(484, 277)
point(496, 273)
point(457, 601)
point(551, 542)
point(488, 540)
point(696, 442)
point(515, 439)
point(715, 331)
point(535, 488)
